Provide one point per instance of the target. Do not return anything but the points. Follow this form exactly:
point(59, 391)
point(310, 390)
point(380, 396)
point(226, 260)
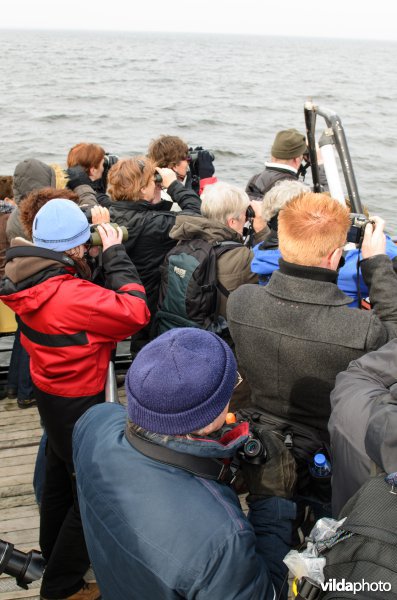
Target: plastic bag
point(307, 563)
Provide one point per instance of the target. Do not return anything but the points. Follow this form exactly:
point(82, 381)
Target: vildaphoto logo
point(334, 585)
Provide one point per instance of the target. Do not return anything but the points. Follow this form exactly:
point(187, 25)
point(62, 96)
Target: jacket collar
point(305, 285)
point(315, 273)
point(209, 447)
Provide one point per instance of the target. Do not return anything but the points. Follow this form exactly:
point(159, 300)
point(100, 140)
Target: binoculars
point(95, 238)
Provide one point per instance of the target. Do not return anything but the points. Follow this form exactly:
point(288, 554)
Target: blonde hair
point(128, 176)
point(310, 227)
point(222, 201)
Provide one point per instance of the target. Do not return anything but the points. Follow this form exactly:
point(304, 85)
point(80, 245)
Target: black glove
point(77, 176)
point(276, 476)
point(205, 164)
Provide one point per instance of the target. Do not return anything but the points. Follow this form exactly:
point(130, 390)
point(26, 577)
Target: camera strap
point(200, 466)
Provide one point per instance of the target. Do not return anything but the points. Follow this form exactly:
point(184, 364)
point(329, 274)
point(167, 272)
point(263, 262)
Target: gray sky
point(336, 18)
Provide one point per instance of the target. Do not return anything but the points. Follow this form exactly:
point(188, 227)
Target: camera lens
point(253, 448)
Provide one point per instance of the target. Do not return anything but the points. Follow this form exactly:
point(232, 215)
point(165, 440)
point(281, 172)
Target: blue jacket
point(266, 261)
point(155, 531)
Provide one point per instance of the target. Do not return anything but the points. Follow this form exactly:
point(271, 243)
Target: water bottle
point(321, 467)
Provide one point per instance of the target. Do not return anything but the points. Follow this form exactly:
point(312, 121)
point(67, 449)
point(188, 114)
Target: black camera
point(253, 451)
point(24, 566)
point(357, 228)
point(194, 154)
point(109, 160)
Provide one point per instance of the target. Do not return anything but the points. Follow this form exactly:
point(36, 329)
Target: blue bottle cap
point(320, 460)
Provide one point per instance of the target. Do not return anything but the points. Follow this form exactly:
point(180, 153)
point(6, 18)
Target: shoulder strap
point(220, 248)
point(18, 251)
point(209, 468)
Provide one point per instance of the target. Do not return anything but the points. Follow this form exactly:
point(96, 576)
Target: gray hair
point(279, 194)
point(222, 201)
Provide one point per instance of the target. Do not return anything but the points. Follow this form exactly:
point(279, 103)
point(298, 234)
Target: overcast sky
point(336, 18)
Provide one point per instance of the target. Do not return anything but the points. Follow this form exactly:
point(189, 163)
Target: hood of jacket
point(190, 226)
point(20, 289)
point(32, 174)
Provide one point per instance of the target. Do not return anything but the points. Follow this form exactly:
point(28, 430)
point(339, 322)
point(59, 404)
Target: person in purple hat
point(159, 517)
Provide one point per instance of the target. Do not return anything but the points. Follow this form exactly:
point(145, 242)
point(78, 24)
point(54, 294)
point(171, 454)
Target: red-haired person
point(85, 164)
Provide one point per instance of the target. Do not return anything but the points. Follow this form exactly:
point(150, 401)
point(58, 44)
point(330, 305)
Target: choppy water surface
point(227, 93)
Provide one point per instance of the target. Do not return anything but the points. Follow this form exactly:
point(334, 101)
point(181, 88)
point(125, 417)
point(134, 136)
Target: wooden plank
point(22, 451)
point(16, 490)
point(21, 469)
point(21, 434)
point(17, 512)
point(27, 441)
point(15, 479)
point(20, 417)
point(14, 501)
point(20, 593)
point(28, 538)
point(19, 523)
point(15, 461)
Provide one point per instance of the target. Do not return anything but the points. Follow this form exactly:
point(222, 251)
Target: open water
point(226, 93)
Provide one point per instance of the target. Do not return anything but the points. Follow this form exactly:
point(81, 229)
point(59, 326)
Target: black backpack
point(189, 287)
point(364, 550)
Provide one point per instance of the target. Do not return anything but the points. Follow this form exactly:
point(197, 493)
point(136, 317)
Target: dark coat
point(363, 422)
point(261, 183)
point(148, 227)
point(296, 334)
point(154, 531)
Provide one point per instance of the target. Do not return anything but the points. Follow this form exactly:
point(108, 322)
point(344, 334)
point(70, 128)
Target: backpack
point(189, 287)
point(364, 551)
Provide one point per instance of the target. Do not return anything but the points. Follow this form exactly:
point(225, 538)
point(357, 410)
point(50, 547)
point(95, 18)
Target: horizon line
point(186, 32)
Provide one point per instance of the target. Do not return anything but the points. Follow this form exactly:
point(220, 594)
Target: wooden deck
point(20, 434)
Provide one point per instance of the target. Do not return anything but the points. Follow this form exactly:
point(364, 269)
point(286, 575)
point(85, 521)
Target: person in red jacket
point(69, 327)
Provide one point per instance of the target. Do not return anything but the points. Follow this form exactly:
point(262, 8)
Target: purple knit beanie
point(180, 382)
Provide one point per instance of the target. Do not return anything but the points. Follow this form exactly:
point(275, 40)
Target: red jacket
point(69, 326)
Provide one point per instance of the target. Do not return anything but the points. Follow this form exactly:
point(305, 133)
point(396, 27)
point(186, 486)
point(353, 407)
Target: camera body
point(95, 238)
point(253, 451)
point(355, 234)
point(108, 161)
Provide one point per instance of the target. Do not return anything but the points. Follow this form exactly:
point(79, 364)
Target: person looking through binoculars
point(69, 327)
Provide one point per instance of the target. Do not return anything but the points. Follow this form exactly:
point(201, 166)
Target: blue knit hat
point(60, 225)
point(180, 382)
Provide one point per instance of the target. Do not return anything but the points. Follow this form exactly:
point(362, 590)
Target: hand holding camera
point(274, 476)
point(374, 239)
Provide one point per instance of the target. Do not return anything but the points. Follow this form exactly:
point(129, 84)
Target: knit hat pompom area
point(60, 225)
point(288, 144)
point(180, 382)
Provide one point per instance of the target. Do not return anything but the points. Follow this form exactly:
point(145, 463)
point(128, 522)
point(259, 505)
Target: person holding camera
point(159, 517)
point(193, 168)
point(294, 335)
point(69, 327)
